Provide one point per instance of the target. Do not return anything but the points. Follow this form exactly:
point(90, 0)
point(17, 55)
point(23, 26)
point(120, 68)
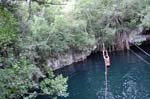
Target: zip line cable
point(142, 50)
point(140, 57)
point(106, 88)
point(106, 82)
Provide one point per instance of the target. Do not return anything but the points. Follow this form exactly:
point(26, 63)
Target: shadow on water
point(128, 77)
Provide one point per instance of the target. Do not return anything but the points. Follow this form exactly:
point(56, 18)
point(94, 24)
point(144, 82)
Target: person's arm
point(103, 53)
point(107, 53)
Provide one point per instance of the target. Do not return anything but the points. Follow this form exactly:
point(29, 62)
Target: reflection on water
point(129, 86)
point(128, 77)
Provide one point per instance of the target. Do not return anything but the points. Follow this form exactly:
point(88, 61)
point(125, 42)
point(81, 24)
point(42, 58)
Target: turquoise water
point(128, 77)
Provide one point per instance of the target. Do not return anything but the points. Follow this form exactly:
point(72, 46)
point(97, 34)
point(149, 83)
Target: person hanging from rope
point(106, 57)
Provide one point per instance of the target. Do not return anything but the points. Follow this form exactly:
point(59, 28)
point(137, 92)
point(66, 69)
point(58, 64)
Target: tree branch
point(42, 2)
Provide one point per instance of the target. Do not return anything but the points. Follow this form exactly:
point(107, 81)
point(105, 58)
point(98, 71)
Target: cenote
point(128, 77)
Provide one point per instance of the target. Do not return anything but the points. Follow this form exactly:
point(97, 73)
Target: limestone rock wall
point(69, 58)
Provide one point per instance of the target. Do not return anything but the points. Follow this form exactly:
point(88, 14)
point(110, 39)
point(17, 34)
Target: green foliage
point(16, 80)
point(19, 74)
point(56, 85)
point(146, 17)
point(51, 30)
point(107, 17)
point(8, 27)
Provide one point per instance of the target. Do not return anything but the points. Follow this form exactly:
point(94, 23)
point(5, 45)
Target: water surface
point(128, 77)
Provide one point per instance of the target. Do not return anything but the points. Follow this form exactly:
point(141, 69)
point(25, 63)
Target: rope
point(106, 82)
point(105, 77)
point(140, 57)
point(142, 50)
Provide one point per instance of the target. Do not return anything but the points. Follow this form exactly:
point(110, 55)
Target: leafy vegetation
point(18, 73)
point(8, 28)
point(17, 81)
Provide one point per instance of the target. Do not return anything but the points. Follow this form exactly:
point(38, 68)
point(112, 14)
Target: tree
point(18, 73)
point(8, 28)
point(22, 76)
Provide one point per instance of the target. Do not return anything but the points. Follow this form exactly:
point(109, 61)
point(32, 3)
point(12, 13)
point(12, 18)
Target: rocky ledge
point(69, 58)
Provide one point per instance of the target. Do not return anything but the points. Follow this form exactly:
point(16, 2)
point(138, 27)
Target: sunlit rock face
point(69, 58)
